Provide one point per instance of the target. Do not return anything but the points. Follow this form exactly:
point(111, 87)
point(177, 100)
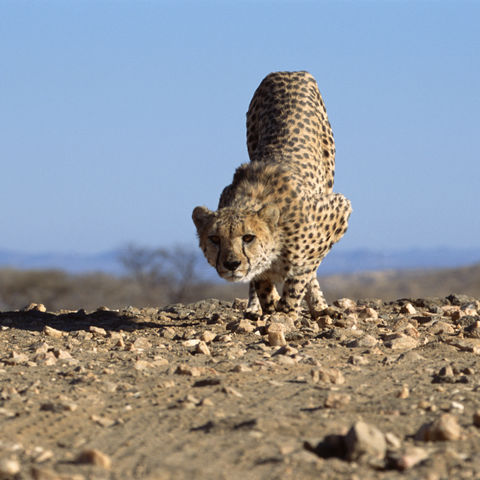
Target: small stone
point(337, 400)
point(193, 342)
point(441, 327)
point(276, 335)
point(364, 440)
point(411, 457)
point(358, 360)
point(103, 421)
point(368, 313)
point(445, 427)
point(188, 370)
point(17, 358)
point(141, 365)
point(324, 321)
point(9, 468)
point(35, 307)
point(345, 303)
point(95, 457)
point(101, 332)
point(366, 341)
point(203, 348)
point(231, 391)
point(392, 440)
point(245, 326)
point(207, 336)
point(52, 332)
point(404, 392)
point(241, 368)
point(401, 341)
point(140, 344)
point(327, 375)
point(408, 308)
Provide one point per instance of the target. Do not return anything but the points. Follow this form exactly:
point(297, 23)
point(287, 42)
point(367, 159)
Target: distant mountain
point(363, 260)
point(71, 262)
point(350, 261)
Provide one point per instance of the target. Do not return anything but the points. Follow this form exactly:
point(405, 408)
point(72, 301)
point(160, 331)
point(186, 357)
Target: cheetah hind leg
point(314, 297)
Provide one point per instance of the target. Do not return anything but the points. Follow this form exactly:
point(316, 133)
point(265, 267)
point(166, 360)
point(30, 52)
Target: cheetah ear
point(270, 214)
point(200, 216)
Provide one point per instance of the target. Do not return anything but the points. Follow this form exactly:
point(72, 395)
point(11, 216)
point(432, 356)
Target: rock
point(368, 313)
point(95, 457)
point(365, 441)
point(245, 326)
point(324, 321)
point(193, 342)
point(392, 440)
point(9, 468)
point(276, 335)
point(327, 375)
point(140, 345)
point(207, 336)
point(203, 348)
point(345, 303)
point(337, 400)
point(52, 332)
point(401, 341)
point(367, 341)
point(445, 427)
point(409, 458)
point(404, 392)
point(35, 307)
point(408, 308)
point(358, 360)
point(101, 332)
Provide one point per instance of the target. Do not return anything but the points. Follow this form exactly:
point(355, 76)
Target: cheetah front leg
point(314, 297)
point(262, 297)
point(293, 293)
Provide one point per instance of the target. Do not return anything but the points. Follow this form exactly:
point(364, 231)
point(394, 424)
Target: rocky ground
point(371, 390)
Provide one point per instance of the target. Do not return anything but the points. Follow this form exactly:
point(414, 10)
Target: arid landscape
point(373, 389)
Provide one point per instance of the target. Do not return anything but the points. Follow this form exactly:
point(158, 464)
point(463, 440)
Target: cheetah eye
point(248, 238)
point(214, 239)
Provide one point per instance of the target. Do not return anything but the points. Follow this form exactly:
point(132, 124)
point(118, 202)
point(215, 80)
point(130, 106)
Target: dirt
point(369, 390)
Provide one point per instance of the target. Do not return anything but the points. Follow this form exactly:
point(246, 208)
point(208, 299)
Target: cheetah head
point(240, 244)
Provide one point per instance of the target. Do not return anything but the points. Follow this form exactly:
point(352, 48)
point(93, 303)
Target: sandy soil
point(371, 390)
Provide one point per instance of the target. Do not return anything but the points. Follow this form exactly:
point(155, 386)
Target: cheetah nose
point(232, 266)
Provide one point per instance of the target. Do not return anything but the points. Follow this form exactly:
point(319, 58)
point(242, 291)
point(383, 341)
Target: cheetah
point(279, 217)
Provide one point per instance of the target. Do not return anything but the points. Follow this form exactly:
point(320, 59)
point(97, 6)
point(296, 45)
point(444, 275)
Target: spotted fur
point(278, 218)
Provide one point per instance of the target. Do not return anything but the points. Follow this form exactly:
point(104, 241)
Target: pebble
point(245, 326)
point(9, 468)
point(368, 313)
point(401, 341)
point(410, 457)
point(276, 335)
point(203, 348)
point(327, 375)
point(445, 427)
point(207, 336)
point(35, 307)
point(408, 308)
point(364, 440)
point(358, 360)
point(101, 332)
point(367, 341)
point(404, 392)
point(345, 303)
point(95, 457)
point(52, 332)
point(337, 400)
point(441, 327)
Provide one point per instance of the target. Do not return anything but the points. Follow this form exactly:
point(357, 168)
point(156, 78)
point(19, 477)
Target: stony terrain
point(372, 390)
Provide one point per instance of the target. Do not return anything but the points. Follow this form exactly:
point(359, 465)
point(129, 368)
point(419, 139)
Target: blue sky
point(118, 117)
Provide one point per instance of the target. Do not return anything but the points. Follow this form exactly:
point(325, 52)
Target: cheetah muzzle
point(278, 218)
